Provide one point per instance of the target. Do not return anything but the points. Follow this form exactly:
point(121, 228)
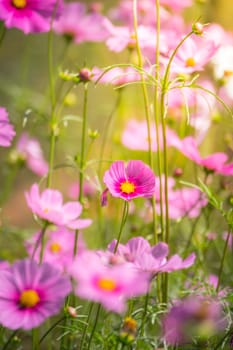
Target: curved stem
point(123, 221)
point(144, 314)
point(3, 33)
point(50, 329)
point(9, 340)
point(223, 259)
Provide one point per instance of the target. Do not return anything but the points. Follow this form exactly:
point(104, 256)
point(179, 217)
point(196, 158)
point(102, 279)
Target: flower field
point(116, 176)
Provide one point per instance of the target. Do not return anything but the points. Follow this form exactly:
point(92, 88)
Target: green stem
point(123, 221)
point(50, 329)
point(163, 111)
point(42, 239)
point(94, 327)
point(144, 315)
point(86, 326)
point(35, 339)
point(223, 258)
point(9, 340)
point(157, 114)
point(147, 110)
point(53, 125)
point(83, 143)
point(3, 33)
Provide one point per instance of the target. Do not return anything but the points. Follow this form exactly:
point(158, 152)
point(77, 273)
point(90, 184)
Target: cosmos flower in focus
point(49, 206)
point(130, 181)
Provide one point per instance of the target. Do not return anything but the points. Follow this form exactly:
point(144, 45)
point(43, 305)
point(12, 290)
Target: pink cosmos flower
point(88, 190)
point(58, 249)
point(7, 132)
point(79, 26)
point(130, 181)
point(215, 162)
point(30, 293)
point(110, 285)
point(30, 150)
point(49, 207)
point(116, 76)
point(29, 16)
point(193, 55)
point(176, 5)
point(151, 259)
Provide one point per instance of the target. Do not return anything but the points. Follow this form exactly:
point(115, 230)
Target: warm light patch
point(20, 4)
point(55, 247)
point(190, 62)
point(46, 210)
point(127, 187)
point(29, 298)
point(106, 284)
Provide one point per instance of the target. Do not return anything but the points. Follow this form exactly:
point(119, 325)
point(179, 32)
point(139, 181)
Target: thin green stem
point(157, 114)
point(123, 221)
point(9, 340)
point(94, 326)
point(42, 240)
point(223, 259)
point(3, 33)
point(35, 339)
point(142, 330)
point(163, 112)
point(83, 143)
point(50, 329)
point(86, 326)
point(147, 110)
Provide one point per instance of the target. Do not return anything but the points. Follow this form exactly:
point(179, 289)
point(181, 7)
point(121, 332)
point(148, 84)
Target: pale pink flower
point(110, 285)
point(30, 293)
point(176, 5)
point(7, 132)
point(29, 16)
point(193, 55)
point(49, 206)
point(88, 190)
point(116, 76)
point(130, 181)
point(58, 248)
point(30, 150)
point(135, 136)
point(76, 24)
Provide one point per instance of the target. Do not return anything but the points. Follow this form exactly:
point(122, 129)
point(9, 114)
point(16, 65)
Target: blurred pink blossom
point(7, 132)
point(49, 206)
point(30, 150)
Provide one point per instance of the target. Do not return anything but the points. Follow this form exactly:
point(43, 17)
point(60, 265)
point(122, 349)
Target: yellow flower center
point(55, 247)
point(190, 62)
point(20, 4)
point(127, 187)
point(107, 284)
point(29, 298)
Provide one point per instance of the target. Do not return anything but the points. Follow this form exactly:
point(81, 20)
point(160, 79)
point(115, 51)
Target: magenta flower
point(30, 150)
point(7, 132)
point(29, 16)
point(136, 179)
point(49, 207)
point(30, 293)
point(110, 285)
